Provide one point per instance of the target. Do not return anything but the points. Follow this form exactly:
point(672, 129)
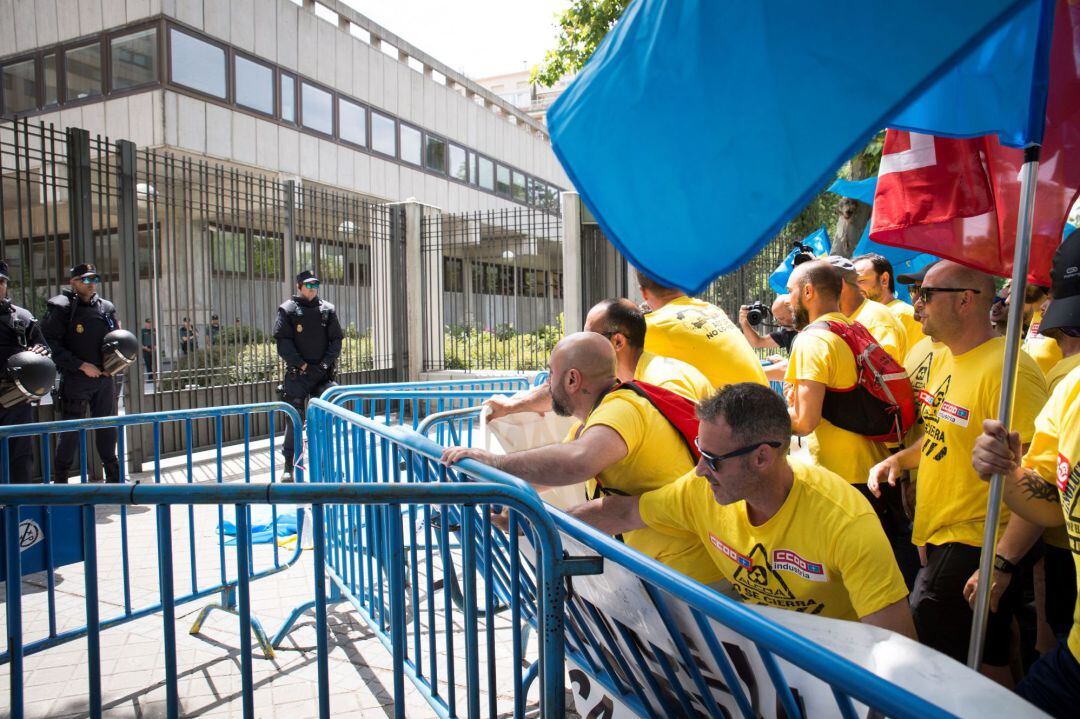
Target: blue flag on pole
point(818, 241)
point(688, 133)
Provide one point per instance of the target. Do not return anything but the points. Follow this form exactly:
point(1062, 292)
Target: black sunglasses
point(927, 293)
point(713, 460)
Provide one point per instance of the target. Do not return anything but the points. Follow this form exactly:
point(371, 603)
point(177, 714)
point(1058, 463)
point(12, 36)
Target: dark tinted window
point(20, 87)
point(82, 72)
point(435, 153)
point(134, 59)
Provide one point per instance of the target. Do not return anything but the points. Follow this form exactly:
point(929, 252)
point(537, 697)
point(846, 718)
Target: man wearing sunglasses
point(308, 337)
point(962, 390)
point(784, 533)
point(75, 324)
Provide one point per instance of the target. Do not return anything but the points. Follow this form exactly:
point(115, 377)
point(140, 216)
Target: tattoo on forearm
point(1035, 488)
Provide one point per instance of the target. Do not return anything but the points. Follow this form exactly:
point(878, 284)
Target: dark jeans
point(81, 394)
point(20, 449)
point(1053, 683)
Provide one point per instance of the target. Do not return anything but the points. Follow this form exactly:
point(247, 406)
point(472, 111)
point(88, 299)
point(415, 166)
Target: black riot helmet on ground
point(28, 377)
point(118, 351)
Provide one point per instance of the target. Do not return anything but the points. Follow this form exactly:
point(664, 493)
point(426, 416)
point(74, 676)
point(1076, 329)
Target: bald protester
point(623, 445)
point(623, 324)
point(961, 391)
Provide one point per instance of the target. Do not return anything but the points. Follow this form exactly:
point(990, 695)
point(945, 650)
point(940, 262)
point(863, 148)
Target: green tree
point(581, 28)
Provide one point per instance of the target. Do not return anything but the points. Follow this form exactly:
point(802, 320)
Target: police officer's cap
point(4, 270)
point(86, 269)
point(306, 276)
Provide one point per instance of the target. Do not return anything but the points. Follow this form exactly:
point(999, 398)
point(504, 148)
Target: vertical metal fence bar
point(243, 569)
point(13, 596)
point(93, 624)
point(322, 644)
point(168, 607)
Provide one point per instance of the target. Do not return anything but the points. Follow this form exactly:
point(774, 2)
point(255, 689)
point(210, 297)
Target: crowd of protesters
point(779, 503)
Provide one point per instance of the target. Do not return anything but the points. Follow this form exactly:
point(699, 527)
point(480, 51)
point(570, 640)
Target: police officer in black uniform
point(308, 338)
point(75, 324)
point(19, 332)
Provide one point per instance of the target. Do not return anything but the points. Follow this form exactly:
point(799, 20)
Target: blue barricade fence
point(50, 537)
point(667, 674)
point(349, 449)
point(327, 504)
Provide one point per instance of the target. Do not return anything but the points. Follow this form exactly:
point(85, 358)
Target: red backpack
point(881, 403)
point(678, 410)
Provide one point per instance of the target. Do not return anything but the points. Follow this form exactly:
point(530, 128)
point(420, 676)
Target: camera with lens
point(756, 312)
point(803, 253)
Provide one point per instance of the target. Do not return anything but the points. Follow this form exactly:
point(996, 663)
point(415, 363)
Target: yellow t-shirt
point(962, 391)
point(1058, 536)
point(884, 327)
point(1055, 455)
point(906, 314)
point(818, 355)
point(656, 456)
point(700, 334)
point(823, 552)
point(679, 377)
point(921, 360)
point(1042, 349)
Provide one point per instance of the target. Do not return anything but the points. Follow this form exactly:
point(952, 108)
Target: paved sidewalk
point(133, 658)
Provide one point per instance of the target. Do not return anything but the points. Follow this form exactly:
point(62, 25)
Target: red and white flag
point(959, 199)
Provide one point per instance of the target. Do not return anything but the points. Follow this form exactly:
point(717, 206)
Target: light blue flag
point(904, 261)
point(818, 241)
point(689, 135)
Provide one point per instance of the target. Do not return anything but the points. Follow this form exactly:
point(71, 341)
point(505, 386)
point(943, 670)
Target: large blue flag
point(689, 133)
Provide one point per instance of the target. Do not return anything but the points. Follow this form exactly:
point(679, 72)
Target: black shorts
point(942, 614)
point(1060, 574)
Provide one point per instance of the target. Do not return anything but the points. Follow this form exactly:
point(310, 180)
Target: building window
point(197, 64)
point(453, 274)
point(133, 59)
point(486, 172)
point(502, 181)
point(316, 109)
point(254, 86)
point(20, 86)
point(228, 250)
point(434, 153)
point(457, 167)
point(52, 86)
point(472, 168)
point(410, 144)
point(288, 98)
point(383, 134)
point(82, 72)
point(267, 254)
point(352, 122)
point(519, 187)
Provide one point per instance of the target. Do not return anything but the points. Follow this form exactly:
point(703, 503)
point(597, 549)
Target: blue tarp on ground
point(262, 524)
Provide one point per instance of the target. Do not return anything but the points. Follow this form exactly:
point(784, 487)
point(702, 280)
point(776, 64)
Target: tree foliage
point(581, 28)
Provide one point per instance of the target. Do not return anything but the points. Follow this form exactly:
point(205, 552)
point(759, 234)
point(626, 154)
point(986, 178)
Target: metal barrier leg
point(287, 626)
point(14, 608)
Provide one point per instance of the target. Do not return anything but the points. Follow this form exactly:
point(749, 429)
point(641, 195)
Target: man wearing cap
point(213, 331)
point(878, 283)
point(308, 338)
point(76, 322)
point(19, 331)
point(1043, 485)
point(874, 316)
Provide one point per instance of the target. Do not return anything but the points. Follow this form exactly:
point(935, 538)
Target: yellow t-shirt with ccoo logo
point(700, 334)
point(884, 327)
point(819, 355)
point(1055, 455)
point(962, 391)
point(679, 377)
point(922, 358)
point(824, 552)
point(656, 456)
point(1058, 536)
point(905, 313)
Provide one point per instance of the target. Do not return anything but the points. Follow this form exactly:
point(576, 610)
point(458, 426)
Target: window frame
point(62, 59)
point(367, 122)
point(401, 125)
point(159, 58)
point(37, 59)
point(275, 88)
point(228, 98)
point(449, 175)
point(431, 136)
point(279, 106)
point(301, 82)
point(371, 132)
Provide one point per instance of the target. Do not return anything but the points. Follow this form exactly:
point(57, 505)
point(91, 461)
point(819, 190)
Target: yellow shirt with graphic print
point(962, 391)
point(700, 334)
point(906, 314)
point(823, 552)
point(1055, 455)
point(921, 361)
point(656, 456)
point(1042, 349)
point(679, 377)
point(819, 355)
point(1058, 536)
point(884, 327)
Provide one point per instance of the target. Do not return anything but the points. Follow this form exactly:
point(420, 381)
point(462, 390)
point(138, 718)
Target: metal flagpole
point(1028, 176)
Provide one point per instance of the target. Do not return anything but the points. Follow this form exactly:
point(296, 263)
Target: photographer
point(754, 315)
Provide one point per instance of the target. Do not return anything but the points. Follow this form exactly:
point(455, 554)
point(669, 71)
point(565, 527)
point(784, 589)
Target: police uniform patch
point(79, 328)
point(299, 328)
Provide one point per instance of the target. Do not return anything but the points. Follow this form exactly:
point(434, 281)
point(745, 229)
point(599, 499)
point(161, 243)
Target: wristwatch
point(1003, 565)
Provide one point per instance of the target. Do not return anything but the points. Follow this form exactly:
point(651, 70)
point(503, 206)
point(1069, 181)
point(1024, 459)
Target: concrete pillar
point(414, 288)
point(573, 312)
point(384, 277)
point(432, 259)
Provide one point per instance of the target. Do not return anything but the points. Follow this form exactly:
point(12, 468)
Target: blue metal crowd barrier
point(509, 383)
point(66, 535)
point(326, 502)
point(346, 448)
point(673, 677)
